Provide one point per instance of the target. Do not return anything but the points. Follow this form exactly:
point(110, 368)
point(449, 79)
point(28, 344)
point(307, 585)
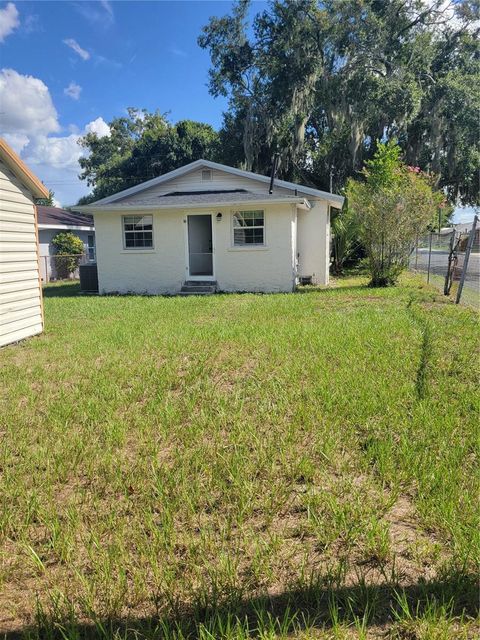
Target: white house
point(54, 220)
point(209, 224)
point(21, 312)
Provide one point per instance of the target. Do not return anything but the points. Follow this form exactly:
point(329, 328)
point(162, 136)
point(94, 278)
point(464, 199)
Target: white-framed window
point(248, 228)
point(91, 247)
point(138, 232)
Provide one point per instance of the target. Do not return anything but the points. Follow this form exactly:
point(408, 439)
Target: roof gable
point(21, 171)
point(238, 179)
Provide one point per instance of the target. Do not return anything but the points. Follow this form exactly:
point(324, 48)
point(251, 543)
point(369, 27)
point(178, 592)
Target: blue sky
point(79, 64)
point(140, 54)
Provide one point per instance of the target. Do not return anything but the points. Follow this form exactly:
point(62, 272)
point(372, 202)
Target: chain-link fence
point(450, 260)
point(63, 267)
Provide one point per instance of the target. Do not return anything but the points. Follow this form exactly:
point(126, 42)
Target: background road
point(439, 263)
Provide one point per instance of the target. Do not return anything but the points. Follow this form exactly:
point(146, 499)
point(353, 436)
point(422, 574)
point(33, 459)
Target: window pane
point(243, 219)
point(138, 231)
point(238, 236)
point(238, 220)
point(247, 236)
point(258, 235)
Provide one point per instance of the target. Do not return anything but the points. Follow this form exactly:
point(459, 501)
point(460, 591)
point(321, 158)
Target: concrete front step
point(200, 283)
point(187, 288)
point(198, 288)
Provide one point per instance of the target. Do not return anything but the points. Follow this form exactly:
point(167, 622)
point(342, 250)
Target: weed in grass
point(191, 477)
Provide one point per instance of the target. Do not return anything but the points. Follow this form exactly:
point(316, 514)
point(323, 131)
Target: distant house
point(21, 311)
point(53, 220)
point(207, 226)
point(464, 229)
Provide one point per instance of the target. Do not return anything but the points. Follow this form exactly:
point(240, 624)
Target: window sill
point(135, 251)
point(246, 248)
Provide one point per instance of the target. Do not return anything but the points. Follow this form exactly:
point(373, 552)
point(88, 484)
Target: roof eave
point(66, 226)
point(302, 203)
point(331, 197)
point(23, 173)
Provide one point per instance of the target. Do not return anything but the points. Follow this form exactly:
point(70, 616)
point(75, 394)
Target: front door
point(200, 247)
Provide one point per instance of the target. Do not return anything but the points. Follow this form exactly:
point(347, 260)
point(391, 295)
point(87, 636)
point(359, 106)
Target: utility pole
point(331, 178)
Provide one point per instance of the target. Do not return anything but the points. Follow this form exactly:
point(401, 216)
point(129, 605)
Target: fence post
point(467, 257)
point(429, 256)
point(416, 253)
point(448, 277)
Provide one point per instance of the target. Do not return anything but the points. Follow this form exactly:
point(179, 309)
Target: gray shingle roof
point(62, 217)
point(201, 199)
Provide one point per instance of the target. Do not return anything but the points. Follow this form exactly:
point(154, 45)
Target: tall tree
point(320, 80)
point(142, 146)
point(46, 202)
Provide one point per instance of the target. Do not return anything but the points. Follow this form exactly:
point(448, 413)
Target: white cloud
point(180, 53)
point(73, 44)
point(60, 152)
point(107, 6)
point(73, 91)
point(98, 13)
point(29, 123)
point(32, 24)
point(98, 126)
point(9, 20)
point(107, 62)
point(17, 141)
point(55, 159)
point(27, 107)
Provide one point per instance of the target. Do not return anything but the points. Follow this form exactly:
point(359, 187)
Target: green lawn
point(235, 466)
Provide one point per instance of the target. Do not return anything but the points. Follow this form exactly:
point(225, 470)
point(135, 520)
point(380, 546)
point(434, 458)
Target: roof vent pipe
point(274, 171)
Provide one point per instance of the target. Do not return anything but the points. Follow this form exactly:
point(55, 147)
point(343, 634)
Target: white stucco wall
point(313, 242)
point(263, 269)
point(163, 269)
point(154, 271)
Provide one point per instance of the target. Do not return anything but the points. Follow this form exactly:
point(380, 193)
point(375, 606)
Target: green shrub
point(71, 248)
point(393, 204)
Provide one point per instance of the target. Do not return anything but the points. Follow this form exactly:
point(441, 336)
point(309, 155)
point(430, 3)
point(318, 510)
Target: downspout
point(294, 246)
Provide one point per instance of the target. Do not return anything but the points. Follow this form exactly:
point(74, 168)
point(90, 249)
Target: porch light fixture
point(219, 217)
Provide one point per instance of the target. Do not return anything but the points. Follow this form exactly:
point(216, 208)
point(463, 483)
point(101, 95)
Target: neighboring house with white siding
point(213, 227)
point(54, 220)
point(21, 311)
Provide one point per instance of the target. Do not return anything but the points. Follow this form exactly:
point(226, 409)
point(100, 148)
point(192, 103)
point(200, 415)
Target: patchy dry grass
point(242, 466)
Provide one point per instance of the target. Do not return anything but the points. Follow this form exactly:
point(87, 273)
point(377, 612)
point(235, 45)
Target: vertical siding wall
point(20, 294)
